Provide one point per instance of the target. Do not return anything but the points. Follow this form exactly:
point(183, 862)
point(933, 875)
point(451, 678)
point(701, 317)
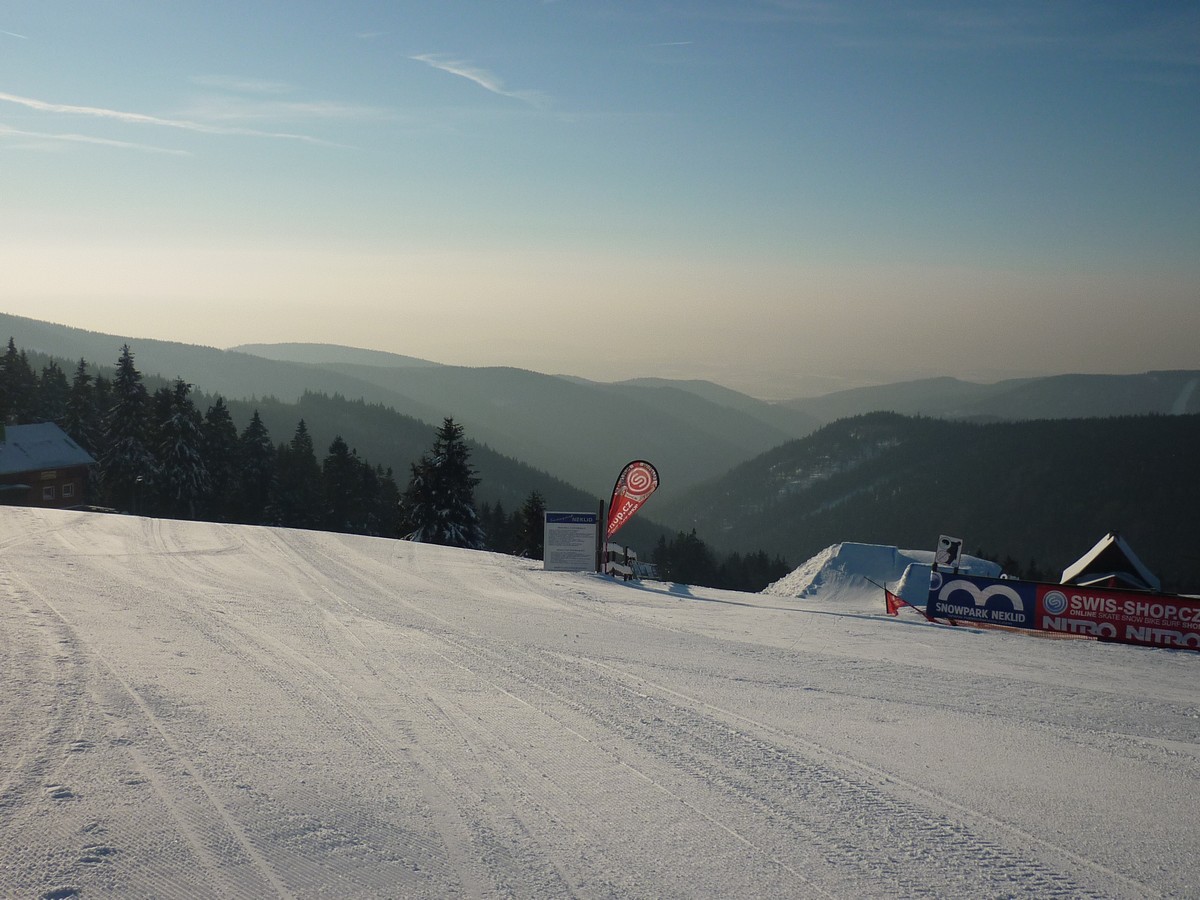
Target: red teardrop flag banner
point(637, 481)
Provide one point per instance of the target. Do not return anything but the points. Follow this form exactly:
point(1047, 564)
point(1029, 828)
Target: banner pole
point(600, 537)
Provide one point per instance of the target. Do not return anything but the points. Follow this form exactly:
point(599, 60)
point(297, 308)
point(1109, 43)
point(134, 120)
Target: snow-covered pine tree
point(126, 457)
point(183, 475)
point(439, 505)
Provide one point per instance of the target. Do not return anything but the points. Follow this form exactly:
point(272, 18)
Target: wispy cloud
point(242, 85)
point(481, 77)
point(227, 108)
point(23, 37)
point(88, 139)
point(134, 118)
point(250, 100)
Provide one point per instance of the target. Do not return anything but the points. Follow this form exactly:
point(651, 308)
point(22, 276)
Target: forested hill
point(376, 433)
point(581, 432)
point(1041, 492)
point(1049, 397)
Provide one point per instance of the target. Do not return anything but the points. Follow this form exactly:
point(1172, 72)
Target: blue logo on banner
point(991, 601)
point(1055, 602)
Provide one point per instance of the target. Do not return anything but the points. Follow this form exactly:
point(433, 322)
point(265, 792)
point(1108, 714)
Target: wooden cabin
point(41, 466)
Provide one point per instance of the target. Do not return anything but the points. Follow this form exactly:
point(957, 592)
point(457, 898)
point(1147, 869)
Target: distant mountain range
point(579, 431)
point(1042, 492)
point(322, 354)
point(569, 436)
point(1050, 397)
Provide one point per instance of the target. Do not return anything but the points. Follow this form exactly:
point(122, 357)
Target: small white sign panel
point(570, 541)
point(949, 551)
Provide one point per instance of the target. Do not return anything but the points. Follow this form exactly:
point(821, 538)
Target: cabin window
point(48, 492)
point(68, 490)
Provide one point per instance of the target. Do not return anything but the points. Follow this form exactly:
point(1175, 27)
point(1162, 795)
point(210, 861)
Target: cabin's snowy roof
point(1111, 557)
point(29, 448)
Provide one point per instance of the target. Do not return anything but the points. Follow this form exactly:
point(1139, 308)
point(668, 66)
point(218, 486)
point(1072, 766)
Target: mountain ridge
point(579, 432)
point(1037, 490)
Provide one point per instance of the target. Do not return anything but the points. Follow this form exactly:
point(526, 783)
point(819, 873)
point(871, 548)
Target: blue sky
point(762, 193)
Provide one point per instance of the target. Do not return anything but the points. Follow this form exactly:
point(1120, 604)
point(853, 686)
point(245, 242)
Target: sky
point(773, 194)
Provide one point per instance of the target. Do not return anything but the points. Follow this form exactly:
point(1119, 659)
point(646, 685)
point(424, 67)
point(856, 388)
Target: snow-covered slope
point(196, 710)
point(847, 576)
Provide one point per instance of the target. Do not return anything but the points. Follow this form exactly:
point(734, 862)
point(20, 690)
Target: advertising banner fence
point(1128, 617)
point(988, 601)
point(1131, 617)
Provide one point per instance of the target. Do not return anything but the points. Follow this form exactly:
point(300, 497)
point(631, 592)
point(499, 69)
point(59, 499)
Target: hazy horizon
point(755, 383)
point(770, 195)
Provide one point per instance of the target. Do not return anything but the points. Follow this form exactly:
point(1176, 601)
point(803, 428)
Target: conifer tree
point(498, 536)
point(254, 484)
point(183, 475)
point(343, 489)
point(53, 394)
point(296, 499)
point(686, 559)
point(102, 396)
point(531, 520)
point(82, 420)
point(160, 411)
point(18, 387)
point(439, 504)
point(385, 518)
point(127, 467)
point(220, 455)
point(5, 393)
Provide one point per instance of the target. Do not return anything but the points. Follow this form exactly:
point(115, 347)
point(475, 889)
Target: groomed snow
point(198, 710)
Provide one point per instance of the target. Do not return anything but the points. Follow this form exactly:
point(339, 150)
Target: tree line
point(158, 455)
point(687, 559)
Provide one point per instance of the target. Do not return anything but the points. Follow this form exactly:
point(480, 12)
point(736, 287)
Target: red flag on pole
point(637, 481)
point(894, 603)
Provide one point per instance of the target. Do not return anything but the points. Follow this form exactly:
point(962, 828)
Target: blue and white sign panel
point(990, 601)
point(570, 541)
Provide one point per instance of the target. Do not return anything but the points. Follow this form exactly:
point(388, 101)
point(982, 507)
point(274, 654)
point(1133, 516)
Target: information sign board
point(570, 541)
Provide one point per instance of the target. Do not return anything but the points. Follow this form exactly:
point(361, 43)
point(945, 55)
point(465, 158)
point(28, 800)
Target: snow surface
point(199, 710)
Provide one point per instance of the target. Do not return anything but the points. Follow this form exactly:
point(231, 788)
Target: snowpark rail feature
point(1129, 617)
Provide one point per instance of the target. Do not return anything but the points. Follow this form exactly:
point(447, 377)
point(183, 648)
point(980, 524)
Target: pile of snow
point(842, 575)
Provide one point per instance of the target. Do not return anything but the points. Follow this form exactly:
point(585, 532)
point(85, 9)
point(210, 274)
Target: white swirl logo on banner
point(640, 481)
point(981, 595)
point(637, 481)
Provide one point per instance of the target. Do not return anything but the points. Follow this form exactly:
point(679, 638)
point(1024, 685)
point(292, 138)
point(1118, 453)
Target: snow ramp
point(842, 574)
